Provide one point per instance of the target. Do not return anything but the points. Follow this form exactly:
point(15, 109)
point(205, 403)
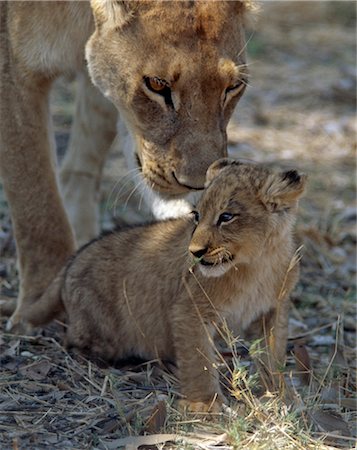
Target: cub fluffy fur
point(161, 290)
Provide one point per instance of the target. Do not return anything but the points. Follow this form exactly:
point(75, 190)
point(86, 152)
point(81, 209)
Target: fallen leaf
point(134, 442)
point(303, 364)
point(330, 394)
point(8, 405)
point(36, 371)
point(10, 363)
point(157, 418)
point(204, 439)
point(13, 349)
point(330, 422)
point(349, 403)
point(337, 358)
point(108, 425)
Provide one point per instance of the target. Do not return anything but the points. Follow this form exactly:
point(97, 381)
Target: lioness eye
point(225, 217)
point(196, 216)
point(156, 84)
point(159, 86)
point(236, 88)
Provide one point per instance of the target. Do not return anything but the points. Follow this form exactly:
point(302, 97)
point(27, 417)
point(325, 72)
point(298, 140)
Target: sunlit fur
point(255, 220)
point(198, 47)
point(141, 291)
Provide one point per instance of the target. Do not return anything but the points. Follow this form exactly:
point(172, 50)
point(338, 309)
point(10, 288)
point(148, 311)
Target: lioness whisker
point(128, 177)
point(124, 193)
point(132, 192)
point(242, 50)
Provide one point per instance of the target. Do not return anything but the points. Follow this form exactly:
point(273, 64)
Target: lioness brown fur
point(161, 290)
point(175, 71)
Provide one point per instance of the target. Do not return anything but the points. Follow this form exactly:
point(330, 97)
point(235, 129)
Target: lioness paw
point(17, 325)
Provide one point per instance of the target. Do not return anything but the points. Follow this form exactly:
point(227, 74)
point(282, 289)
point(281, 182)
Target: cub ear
point(282, 190)
point(217, 166)
point(115, 12)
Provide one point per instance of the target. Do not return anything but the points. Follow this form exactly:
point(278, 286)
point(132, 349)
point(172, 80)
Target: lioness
point(174, 70)
point(162, 290)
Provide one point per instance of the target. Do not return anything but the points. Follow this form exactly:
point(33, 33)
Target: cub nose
point(198, 252)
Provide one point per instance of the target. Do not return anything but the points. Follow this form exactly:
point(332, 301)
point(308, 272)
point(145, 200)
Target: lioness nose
point(198, 252)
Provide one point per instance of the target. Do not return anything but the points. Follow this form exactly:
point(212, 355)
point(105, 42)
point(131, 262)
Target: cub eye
point(196, 216)
point(225, 217)
point(159, 86)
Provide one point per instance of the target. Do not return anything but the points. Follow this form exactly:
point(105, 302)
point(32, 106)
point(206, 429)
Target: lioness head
point(243, 206)
point(175, 70)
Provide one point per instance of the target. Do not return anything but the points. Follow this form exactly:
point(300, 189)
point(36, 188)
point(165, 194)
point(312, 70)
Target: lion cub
point(161, 290)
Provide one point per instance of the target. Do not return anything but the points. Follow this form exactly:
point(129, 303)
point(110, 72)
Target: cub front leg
point(196, 361)
point(271, 331)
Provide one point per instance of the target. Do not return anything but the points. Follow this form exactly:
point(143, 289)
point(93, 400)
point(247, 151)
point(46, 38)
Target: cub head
point(175, 70)
point(242, 208)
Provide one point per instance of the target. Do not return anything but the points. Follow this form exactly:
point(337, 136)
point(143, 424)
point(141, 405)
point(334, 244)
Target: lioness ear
point(282, 190)
point(115, 12)
point(216, 167)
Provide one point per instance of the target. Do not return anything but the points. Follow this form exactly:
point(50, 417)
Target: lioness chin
point(161, 290)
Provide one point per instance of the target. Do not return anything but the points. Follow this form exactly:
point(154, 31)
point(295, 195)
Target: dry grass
point(298, 112)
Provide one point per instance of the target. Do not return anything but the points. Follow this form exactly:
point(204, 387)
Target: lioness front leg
point(42, 231)
point(196, 361)
point(93, 130)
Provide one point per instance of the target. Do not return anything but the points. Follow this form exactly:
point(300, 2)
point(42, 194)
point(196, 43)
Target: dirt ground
point(299, 111)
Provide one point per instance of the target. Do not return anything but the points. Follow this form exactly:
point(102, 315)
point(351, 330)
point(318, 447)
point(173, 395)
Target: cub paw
point(214, 406)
